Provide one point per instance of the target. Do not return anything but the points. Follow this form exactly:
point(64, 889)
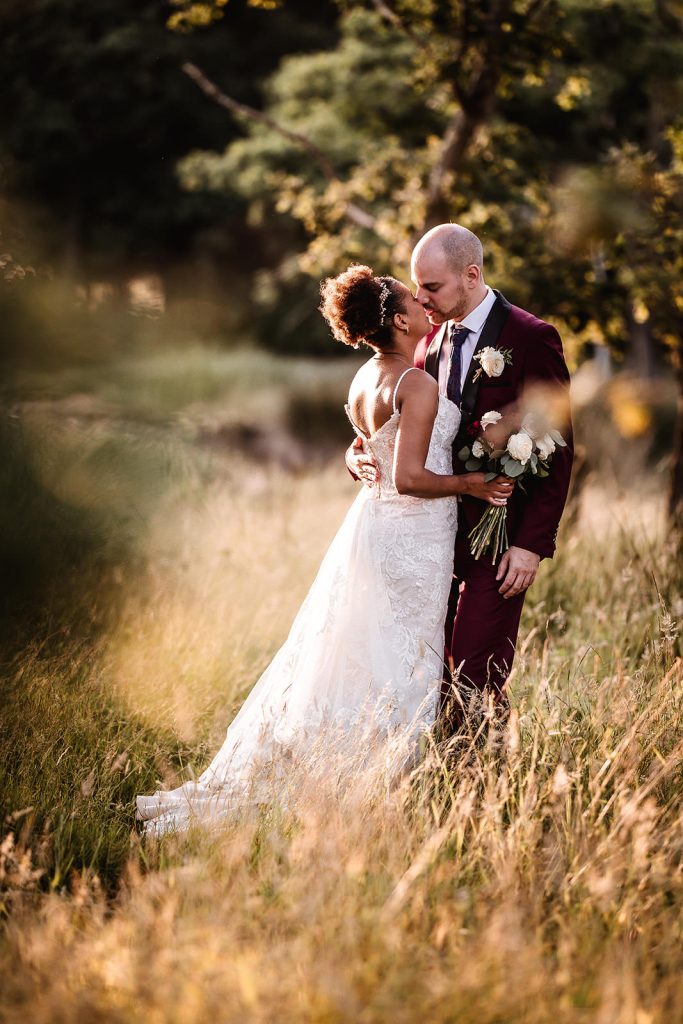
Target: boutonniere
point(492, 361)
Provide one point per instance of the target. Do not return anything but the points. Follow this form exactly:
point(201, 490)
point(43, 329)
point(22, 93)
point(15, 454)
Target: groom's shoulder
point(523, 328)
point(537, 341)
point(525, 322)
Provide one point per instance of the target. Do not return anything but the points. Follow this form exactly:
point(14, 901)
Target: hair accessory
point(384, 293)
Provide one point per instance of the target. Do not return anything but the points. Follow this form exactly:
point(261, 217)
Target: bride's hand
point(360, 464)
point(495, 492)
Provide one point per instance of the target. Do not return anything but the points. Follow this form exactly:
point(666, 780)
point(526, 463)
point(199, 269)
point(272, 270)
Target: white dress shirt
point(475, 322)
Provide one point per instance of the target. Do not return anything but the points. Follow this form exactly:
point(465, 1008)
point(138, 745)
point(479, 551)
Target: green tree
point(547, 126)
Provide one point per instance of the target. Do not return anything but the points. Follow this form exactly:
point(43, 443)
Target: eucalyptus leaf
point(513, 468)
point(473, 464)
point(489, 477)
point(464, 453)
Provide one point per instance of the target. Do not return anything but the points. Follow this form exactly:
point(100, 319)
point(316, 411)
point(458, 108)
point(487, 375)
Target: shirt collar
point(474, 321)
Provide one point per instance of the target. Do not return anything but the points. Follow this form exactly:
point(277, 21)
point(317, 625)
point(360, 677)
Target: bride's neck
point(401, 347)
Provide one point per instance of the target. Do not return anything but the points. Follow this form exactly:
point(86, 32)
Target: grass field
point(535, 876)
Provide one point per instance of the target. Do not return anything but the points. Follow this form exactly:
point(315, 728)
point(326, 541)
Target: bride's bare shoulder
point(418, 384)
point(421, 379)
point(369, 369)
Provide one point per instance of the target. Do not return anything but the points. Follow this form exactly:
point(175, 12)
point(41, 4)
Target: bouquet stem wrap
point(490, 533)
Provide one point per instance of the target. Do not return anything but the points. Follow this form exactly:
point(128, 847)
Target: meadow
point(529, 874)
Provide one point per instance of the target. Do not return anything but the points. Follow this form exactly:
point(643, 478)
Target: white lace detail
point(365, 649)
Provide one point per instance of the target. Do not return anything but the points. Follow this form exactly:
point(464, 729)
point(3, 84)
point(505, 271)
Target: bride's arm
point(418, 403)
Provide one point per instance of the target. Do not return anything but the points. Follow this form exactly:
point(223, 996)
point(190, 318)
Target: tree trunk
point(476, 98)
point(457, 139)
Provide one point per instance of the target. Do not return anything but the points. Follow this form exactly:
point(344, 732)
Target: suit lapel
point(434, 353)
point(490, 334)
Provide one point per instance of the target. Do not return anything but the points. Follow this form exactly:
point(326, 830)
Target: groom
point(467, 316)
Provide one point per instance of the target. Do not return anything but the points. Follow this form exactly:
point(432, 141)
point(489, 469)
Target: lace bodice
point(381, 445)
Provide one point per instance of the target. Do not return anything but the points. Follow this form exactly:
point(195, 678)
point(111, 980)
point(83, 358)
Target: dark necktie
point(458, 336)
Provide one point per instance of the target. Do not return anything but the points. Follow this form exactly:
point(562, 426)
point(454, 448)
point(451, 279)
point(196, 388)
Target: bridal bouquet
point(517, 452)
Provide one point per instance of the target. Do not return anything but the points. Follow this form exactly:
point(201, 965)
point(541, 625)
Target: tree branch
point(243, 110)
point(383, 8)
point(355, 214)
point(457, 138)
point(668, 18)
point(536, 7)
point(475, 93)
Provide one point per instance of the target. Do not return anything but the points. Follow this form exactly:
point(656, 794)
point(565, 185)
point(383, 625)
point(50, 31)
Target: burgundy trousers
point(481, 632)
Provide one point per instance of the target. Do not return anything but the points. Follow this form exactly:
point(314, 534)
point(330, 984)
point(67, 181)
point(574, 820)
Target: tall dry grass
point(529, 875)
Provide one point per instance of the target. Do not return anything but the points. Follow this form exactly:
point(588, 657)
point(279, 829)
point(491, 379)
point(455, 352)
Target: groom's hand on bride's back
point(361, 465)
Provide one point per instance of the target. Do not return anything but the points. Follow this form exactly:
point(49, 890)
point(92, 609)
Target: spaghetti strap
point(398, 384)
point(355, 426)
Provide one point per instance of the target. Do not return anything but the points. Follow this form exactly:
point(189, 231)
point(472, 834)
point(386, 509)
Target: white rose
point(520, 447)
point(478, 450)
point(489, 418)
point(492, 361)
point(545, 446)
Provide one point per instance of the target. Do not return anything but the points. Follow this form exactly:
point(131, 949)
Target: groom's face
point(442, 291)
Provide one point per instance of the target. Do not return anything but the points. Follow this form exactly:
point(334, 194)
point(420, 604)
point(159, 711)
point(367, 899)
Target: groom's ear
point(473, 275)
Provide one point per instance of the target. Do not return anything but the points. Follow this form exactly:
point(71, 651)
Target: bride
point(365, 649)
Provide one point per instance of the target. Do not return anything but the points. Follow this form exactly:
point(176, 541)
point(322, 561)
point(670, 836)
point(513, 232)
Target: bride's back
point(371, 394)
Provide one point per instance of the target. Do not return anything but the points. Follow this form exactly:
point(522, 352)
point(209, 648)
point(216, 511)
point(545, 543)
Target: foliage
point(106, 112)
point(550, 106)
point(198, 15)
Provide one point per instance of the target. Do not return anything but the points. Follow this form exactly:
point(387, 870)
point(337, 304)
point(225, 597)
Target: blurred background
point(176, 178)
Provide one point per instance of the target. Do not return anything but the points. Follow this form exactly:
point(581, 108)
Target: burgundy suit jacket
point(537, 358)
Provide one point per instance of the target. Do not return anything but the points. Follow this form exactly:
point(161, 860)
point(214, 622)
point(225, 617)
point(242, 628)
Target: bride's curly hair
point(360, 307)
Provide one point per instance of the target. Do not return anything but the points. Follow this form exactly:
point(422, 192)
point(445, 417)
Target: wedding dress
point(365, 649)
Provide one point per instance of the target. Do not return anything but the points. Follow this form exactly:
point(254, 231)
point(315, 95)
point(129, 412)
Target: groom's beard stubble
point(458, 310)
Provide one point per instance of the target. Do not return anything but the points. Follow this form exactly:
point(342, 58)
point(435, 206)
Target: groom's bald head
point(447, 267)
point(459, 245)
